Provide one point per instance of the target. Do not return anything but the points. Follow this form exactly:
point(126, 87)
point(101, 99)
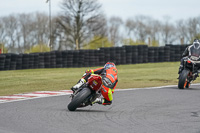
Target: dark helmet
point(109, 65)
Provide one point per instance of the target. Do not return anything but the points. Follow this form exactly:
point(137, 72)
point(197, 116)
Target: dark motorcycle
point(87, 93)
point(190, 72)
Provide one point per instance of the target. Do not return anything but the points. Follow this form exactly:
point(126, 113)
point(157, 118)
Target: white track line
point(43, 94)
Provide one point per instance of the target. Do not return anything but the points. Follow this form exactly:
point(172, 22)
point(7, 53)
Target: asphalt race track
point(161, 110)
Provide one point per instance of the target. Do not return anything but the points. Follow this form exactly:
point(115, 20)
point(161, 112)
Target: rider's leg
point(107, 94)
point(181, 65)
point(82, 81)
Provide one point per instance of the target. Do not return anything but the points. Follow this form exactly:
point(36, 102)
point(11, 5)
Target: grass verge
point(130, 76)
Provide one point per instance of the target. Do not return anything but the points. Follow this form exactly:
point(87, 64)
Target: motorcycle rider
point(109, 78)
point(190, 50)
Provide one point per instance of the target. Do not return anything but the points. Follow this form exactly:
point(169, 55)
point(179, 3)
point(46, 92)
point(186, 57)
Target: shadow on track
point(96, 111)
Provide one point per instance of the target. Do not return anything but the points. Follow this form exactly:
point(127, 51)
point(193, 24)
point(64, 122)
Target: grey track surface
point(165, 110)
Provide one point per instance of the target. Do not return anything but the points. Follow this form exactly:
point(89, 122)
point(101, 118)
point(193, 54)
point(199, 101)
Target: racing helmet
point(109, 65)
point(196, 44)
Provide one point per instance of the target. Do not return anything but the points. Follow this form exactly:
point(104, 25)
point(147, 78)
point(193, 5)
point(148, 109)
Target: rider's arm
point(186, 52)
point(95, 71)
point(115, 84)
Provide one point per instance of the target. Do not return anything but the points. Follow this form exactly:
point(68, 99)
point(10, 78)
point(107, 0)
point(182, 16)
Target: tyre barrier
point(89, 58)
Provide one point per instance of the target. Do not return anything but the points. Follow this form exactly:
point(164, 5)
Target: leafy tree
point(129, 41)
point(96, 43)
point(155, 43)
point(38, 48)
point(3, 48)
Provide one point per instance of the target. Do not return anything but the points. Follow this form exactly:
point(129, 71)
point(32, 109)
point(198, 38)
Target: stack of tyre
point(25, 61)
point(114, 55)
point(2, 62)
point(156, 54)
point(18, 62)
point(172, 52)
point(92, 58)
point(166, 54)
point(96, 56)
point(52, 59)
point(41, 60)
point(120, 55)
point(161, 54)
point(47, 58)
point(75, 58)
point(107, 55)
point(89, 58)
point(59, 59)
point(7, 62)
point(64, 58)
point(101, 56)
point(36, 60)
point(151, 54)
point(31, 61)
point(129, 52)
point(69, 58)
point(85, 58)
point(13, 61)
point(135, 57)
point(142, 53)
point(81, 58)
point(177, 49)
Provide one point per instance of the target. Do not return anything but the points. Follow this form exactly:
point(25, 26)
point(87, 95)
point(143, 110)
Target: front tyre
point(183, 79)
point(78, 99)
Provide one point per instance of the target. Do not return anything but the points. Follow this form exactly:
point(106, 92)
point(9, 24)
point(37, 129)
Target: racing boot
point(98, 100)
point(102, 101)
point(78, 85)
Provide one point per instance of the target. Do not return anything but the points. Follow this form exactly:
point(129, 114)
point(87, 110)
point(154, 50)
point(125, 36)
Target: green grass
point(130, 76)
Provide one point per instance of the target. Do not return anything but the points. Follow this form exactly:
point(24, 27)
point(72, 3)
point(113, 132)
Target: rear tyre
point(183, 79)
point(78, 99)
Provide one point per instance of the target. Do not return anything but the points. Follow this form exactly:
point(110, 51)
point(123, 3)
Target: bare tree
point(130, 27)
point(12, 30)
point(138, 27)
point(82, 19)
point(153, 29)
point(182, 31)
point(41, 27)
point(2, 32)
point(27, 30)
point(168, 31)
point(193, 29)
point(114, 29)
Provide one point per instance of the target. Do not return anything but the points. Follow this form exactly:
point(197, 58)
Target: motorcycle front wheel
point(78, 99)
point(183, 79)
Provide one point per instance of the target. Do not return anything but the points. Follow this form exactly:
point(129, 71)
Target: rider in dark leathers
point(192, 50)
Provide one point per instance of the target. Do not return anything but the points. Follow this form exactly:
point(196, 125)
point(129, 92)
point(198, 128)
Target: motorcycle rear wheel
point(78, 99)
point(183, 79)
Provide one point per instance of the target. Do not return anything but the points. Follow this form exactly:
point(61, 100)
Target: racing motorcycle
point(190, 72)
point(87, 93)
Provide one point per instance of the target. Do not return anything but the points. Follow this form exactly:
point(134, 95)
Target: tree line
point(83, 25)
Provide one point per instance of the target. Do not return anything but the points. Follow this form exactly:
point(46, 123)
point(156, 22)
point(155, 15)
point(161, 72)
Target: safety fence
point(90, 58)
